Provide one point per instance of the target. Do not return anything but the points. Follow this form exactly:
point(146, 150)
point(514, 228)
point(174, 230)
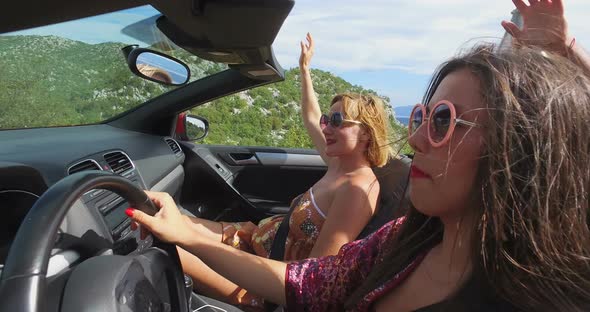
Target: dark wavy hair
point(531, 240)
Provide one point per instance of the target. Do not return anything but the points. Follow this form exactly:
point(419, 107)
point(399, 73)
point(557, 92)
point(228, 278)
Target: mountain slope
point(276, 111)
point(51, 81)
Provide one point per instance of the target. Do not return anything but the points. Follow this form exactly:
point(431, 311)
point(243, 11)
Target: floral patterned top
point(305, 225)
point(324, 284)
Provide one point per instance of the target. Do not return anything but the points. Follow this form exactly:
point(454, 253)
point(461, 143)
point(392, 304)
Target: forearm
point(310, 108)
point(311, 113)
point(205, 228)
point(259, 275)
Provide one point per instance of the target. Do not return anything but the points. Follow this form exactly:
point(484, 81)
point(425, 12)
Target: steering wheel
point(106, 283)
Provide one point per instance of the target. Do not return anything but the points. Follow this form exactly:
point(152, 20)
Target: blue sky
point(391, 46)
point(97, 29)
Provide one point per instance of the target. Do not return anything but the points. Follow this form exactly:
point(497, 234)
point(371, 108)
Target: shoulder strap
point(277, 249)
point(277, 252)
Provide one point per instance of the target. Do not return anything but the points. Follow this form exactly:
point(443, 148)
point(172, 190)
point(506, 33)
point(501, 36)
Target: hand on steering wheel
point(168, 224)
point(24, 284)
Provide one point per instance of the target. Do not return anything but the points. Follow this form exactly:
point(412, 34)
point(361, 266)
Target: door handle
point(248, 161)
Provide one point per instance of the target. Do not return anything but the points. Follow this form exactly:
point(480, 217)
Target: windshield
point(74, 73)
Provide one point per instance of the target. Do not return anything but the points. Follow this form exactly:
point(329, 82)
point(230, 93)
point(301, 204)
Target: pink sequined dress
point(324, 284)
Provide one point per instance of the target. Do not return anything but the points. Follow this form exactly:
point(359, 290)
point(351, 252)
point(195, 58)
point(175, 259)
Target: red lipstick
point(417, 173)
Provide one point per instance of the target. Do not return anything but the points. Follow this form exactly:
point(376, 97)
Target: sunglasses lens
point(440, 122)
point(324, 121)
point(336, 120)
point(416, 119)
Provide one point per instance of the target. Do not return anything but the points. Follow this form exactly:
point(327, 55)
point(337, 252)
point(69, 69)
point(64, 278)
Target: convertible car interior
point(66, 244)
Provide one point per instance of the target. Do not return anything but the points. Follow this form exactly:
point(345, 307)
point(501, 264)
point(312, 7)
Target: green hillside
point(270, 115)
point(52, 81)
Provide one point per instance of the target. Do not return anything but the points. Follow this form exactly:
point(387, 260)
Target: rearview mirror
point(156, 66)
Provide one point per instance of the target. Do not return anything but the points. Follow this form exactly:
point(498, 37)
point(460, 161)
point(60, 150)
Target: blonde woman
point(351, 138)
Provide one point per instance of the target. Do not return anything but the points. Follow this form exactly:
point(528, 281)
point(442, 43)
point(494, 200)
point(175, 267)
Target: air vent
point(84, 165)
point(118, 161)
point(174, 146)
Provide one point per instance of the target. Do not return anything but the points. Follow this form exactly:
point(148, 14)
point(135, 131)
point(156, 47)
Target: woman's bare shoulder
point(363, 178)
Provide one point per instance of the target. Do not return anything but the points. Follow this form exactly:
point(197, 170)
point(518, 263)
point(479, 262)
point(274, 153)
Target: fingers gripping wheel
point(22, 284)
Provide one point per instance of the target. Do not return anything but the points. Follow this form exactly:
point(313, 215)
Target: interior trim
point(19, 191)
point(124, 173)
point(61, 261)
point(81, 161)
point(283, 159)
point(211, 307)
point(175, 175)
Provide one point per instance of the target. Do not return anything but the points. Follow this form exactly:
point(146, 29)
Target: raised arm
point(353, 205)
point(259, 275)
point(545, 25)
point(310, 108)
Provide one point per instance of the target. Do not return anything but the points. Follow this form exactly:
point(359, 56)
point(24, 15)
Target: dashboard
point(31, 160)
point(214, 182)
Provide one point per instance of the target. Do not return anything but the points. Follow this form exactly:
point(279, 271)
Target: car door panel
point(258, 181)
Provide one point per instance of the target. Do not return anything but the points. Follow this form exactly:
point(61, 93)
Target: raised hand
point(306, 52)
point(544, 24)
point(168, 224)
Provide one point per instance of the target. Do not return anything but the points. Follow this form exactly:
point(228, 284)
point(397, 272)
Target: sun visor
point(267, 70)
point(225, 31)
point(205, 49)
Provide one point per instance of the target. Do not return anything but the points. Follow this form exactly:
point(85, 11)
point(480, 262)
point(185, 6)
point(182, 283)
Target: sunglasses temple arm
point(467, 123)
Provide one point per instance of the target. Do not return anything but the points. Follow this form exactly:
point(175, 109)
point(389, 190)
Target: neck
point(351, 163)
point(454, 252)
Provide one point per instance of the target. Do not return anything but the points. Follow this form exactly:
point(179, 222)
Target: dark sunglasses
point(335, 120)
point(441, 122)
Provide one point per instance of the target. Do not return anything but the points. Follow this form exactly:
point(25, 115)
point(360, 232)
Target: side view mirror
point(156, 66)
point(191, 127)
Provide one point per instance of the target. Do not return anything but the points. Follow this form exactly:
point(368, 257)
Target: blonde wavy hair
point(155, 73)
point(370, 110)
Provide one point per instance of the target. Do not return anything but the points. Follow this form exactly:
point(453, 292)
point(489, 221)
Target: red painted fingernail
point(129, 211)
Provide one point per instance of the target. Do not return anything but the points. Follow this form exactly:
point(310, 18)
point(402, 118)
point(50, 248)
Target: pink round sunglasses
point(441, 121)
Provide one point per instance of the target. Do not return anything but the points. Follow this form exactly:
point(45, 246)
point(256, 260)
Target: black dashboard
point(31, 160)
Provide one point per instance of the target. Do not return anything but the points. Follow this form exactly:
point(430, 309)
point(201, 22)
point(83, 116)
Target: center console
point(111, 207)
